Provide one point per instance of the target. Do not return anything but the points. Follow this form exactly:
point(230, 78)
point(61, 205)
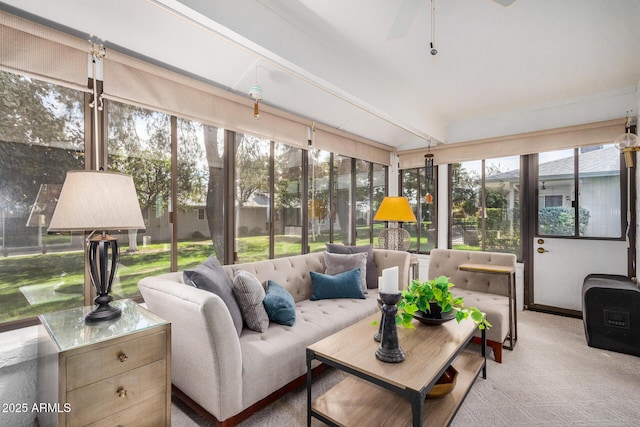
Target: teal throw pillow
point(342, 285)
point(280, 306)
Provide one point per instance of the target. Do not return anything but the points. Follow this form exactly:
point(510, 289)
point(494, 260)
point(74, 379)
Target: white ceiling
point(364, 66)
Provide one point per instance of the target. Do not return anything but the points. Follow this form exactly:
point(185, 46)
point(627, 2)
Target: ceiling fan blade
point(505, 3)
point(404, 19)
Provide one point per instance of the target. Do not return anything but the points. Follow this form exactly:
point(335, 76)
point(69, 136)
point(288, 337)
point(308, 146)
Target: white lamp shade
point(97, 200)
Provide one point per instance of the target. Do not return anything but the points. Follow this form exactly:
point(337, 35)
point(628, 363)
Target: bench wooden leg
point(497, 350)
point(495, 346)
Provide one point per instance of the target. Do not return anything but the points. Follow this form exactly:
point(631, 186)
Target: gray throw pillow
point(249, 293)
point(339, 263)
point(372, 267)
point(210, 276)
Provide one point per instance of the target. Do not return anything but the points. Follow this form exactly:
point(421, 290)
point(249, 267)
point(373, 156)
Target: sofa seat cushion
point(277, 356)
point(495, 306)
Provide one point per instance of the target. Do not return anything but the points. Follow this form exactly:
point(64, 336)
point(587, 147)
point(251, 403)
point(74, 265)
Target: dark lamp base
point(389, 350)
point(395, 355)
point(104, 311)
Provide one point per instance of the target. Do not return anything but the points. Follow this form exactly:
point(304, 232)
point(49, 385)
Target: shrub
point(559, 220)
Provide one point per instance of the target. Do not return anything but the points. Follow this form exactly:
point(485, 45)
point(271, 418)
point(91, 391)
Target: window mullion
point(576, 192)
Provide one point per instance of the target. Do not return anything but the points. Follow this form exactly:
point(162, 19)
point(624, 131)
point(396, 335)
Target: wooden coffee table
point(393, 394)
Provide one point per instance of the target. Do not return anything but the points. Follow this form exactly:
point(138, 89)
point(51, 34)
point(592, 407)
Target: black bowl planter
point(435, 316)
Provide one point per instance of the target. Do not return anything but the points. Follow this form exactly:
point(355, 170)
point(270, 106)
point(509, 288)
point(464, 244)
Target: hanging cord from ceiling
point(433, 51)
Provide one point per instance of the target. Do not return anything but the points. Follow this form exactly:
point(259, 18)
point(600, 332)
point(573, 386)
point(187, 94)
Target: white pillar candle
point(380, 279)
point(389, 283)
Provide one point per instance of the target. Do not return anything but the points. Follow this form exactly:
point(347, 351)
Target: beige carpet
point(552, 378)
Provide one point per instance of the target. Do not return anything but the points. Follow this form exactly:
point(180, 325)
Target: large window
point(202, 190)
point(319, 199)
point(41, 138)
point(379, 191)
point(421, 193)
point(341, 204)
point(253, 216)
point(485, 199)
point(200, 193)
point(287, 224)
point(364, 216)
point(139, 144)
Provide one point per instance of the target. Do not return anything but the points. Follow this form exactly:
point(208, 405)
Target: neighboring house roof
point(598, 162)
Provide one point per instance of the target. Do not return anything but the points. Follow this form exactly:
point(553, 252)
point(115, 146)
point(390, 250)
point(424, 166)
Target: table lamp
point(99, 201)
point(395, 209)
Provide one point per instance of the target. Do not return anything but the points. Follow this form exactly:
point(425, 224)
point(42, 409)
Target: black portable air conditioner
point(611, 313)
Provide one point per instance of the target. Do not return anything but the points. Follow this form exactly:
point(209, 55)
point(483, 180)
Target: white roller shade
point(533, 142)
point(40, 52)
point(136, 82)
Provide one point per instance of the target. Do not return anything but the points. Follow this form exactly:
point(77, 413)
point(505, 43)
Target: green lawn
point(57, 278)
point(40, 283)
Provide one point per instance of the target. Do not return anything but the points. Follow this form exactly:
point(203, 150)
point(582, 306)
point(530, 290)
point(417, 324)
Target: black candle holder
point(389, 350)
point(378, 334)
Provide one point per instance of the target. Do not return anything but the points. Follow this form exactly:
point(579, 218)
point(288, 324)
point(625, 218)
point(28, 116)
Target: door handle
point(542, 250)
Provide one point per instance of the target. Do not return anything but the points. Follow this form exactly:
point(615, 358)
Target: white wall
point(587, 109)
point(18, 376)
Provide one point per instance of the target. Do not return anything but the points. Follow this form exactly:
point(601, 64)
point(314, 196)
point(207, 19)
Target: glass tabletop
point(68, 329)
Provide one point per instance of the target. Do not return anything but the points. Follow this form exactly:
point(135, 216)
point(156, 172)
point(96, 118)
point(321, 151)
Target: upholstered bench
point(486, 280)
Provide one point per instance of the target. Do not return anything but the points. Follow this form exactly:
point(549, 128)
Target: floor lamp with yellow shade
point(395, 209)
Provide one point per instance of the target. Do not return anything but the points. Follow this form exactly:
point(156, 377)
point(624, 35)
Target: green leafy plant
point(420, 295)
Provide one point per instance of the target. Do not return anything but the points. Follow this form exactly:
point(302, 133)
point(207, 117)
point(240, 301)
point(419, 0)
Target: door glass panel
point(599, 191)
point(363, 203)
point(342, 200)
point(139, 144)
point(41, 138)
point(200, 211)
point(252, 198)
point(287, 222)
point(556, 193)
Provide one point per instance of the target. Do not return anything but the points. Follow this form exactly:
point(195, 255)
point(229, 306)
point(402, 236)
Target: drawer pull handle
point(122, 392)
point(122, 357)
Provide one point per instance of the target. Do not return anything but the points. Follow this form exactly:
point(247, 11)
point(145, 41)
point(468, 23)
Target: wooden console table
point(393, 394)
point(510, 272)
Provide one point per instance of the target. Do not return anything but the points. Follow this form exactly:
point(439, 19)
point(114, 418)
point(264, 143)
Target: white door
point(579, 227)
point(560, 270)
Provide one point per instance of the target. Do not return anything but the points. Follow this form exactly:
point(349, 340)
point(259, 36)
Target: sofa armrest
point(210, 371)
point(386, 258)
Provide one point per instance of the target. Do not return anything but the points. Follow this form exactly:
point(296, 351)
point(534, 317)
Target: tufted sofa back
point(292, 273)
point(445, 262)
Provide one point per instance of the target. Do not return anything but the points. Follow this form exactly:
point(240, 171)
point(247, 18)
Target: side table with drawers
point(105, 374)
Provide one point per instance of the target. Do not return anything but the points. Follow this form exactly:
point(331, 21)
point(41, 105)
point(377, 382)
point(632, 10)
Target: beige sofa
point(230, 376)
point(488, 290)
